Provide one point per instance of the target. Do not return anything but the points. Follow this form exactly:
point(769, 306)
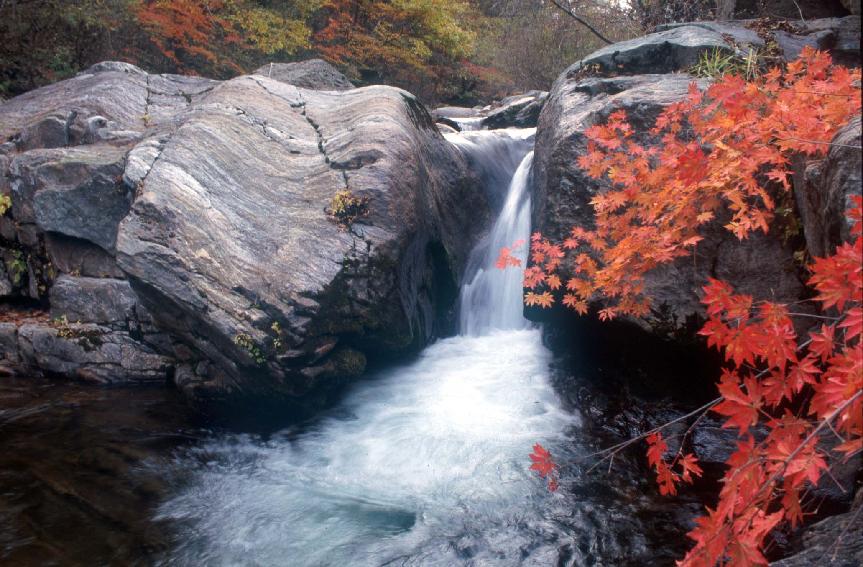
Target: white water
point(492, 298)
point(425, 464)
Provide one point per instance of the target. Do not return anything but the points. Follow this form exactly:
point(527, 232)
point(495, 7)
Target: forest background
point(444, 51)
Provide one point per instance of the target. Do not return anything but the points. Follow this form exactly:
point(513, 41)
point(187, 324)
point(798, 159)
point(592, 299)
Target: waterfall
point(422, 464)
point(491, 298)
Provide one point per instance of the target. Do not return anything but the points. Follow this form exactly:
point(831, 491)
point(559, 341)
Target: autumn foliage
point(725, 153)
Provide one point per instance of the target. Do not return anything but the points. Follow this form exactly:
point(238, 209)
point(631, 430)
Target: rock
point(852, 6)
point(90, 353)
point(76, 192)
point(763, 266)
point(6, 287)
point(80, 258)
point(92, 300)
point(673, 49)
point(204, 204)
point(836, 541)
point(315, 74)
point(9, 359)
point(229, 236)
point(823, 191)
point(460, 118)
point(844, 37)
point(520, 111)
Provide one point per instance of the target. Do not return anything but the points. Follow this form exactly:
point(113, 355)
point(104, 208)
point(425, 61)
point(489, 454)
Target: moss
point(345, 208)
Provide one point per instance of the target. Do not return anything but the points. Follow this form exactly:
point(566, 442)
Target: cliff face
point(187, 228)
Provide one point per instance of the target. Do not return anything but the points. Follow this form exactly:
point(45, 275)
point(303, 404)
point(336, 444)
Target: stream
point(425, 463)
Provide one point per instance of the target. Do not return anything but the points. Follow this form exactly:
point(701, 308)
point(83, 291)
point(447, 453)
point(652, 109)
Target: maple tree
point(216, 36)
point(724, 153)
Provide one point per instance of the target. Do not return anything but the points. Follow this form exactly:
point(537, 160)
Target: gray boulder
point(92, 300)
point(517, 111)
point(666, 51)
point(313, 74)
point(677, 47)
point(823, 191)
point(230, 248)
point(760, 265)
point(836, 541)
point(90, 353)
point(190, 220)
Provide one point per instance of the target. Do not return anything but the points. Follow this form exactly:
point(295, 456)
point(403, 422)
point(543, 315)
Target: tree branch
point(581, 20)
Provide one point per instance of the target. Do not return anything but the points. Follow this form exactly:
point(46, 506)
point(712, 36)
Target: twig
point(799, 11)
point(806, 441)
point(581, 20)
point(609, 452)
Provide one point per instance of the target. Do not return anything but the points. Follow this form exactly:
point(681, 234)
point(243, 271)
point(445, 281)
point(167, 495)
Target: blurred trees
point(462, 51)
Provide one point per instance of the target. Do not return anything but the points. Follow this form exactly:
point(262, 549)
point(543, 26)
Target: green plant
point(345, 208)
point(18, 267)
point(64, 331)
point(5, 204)
point(246, 342)
point(718, 62)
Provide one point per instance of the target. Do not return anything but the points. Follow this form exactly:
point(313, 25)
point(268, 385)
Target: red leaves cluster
point(189, 33)
point(744, 136)
point(725, 149)
point(769, 371)
point(666, 477)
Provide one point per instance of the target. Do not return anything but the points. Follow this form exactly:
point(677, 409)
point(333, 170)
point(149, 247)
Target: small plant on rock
point(5, 204)
point(247, 343)
point(345, 208)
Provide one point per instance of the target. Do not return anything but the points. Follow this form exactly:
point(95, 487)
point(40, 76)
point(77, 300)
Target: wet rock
point(74, 192)
point(315, 74)
point(211, 198)
point(824, 189)
point(218, 272)
point(92, 300)
point(836, 541)
point(91, 353)
point(519, 111)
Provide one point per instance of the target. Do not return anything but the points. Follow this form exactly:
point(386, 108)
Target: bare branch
point(569, 11)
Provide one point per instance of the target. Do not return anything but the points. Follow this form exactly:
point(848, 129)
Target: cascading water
point(491, 299)
point(425, 464)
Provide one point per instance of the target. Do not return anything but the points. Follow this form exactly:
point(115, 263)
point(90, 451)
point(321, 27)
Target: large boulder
point(213, 211)
point(315, 74)
point(762, 265)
